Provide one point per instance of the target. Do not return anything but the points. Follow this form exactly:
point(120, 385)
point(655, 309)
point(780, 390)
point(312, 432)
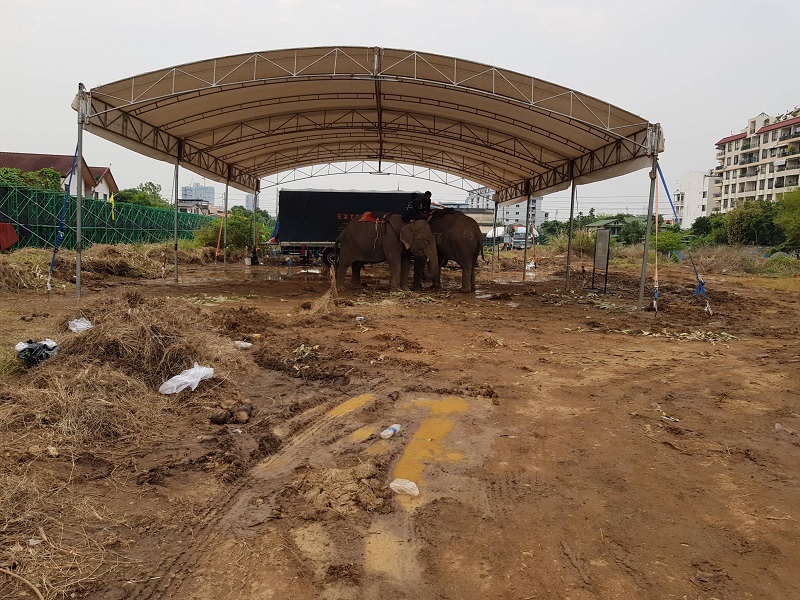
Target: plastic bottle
point(390, 431)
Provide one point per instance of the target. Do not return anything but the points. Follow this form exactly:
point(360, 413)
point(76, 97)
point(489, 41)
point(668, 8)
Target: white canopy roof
point(240, 118)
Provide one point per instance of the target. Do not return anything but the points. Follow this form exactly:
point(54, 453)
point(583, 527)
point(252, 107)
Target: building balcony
point(745, 146)
point(717, 194)
point(789, 136)
point(748, 159)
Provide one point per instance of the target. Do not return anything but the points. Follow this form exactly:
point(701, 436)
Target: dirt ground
point(565, 444)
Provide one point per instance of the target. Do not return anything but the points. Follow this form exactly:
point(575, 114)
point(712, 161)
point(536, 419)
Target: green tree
point(240, 228)
point(701, 226)
point(754, 223)
point(668, 241)
point(552, 228)
point(43, 179)
point(632, 232)
point(146, 194)
point(787, 216)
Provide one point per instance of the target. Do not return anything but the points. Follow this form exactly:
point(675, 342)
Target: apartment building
point(198, 191)
point(756, 164)
point(692, 195)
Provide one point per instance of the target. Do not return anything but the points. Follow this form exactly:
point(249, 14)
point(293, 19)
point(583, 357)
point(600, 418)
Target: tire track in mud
point(172, 570)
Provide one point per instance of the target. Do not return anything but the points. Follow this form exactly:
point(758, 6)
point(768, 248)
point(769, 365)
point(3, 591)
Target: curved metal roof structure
point(240, 118)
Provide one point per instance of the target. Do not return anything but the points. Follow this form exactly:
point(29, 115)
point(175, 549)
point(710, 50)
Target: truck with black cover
point(309, 221)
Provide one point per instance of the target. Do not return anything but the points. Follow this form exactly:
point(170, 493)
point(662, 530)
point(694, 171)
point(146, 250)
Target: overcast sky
point(701, 68)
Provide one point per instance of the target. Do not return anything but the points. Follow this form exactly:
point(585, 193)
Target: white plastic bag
point(78, 325)
point(404, 486)
point(189, 378)
point(242, 345)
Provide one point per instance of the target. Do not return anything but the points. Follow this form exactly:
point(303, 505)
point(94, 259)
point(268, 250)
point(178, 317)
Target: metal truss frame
point(238, 119)
point(366, 167)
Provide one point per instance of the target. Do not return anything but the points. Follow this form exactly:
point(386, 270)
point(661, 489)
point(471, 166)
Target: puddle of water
point(391, 555)
point(427, 443)
point(361, 434)
point(379, 447)
point(350, 405)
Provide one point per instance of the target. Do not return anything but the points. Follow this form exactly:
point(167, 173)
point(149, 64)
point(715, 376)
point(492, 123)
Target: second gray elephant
point(458, 238)
point(370, 240)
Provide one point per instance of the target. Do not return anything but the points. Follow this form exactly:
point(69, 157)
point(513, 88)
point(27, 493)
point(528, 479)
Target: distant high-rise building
point(757, 164)
point(198, 192)
point(480, 198)
point(514, 214)
point(248, 201)
point(691, 196)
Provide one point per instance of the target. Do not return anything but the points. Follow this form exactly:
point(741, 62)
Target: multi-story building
point(693, 194)
point(480, 199)
point(198, 192)
point(758, 163)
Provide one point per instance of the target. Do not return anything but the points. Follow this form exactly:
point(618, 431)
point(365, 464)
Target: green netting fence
point(35, 215)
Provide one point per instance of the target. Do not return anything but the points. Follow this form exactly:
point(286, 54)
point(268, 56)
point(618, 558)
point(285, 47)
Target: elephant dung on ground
point(458, 238)
point(386, 238)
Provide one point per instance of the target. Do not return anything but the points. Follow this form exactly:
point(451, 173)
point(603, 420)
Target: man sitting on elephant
point(386, 238)
point(419, 207)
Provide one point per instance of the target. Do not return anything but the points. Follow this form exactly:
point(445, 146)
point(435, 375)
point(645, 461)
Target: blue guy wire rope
point(700, 290)
point(60, 234)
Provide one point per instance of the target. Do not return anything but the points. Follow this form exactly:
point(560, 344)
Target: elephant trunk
point(431, 263)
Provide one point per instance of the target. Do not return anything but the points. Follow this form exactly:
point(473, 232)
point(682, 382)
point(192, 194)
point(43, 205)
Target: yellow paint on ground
point(350, 405)
point(361, 434)
point(426, 445)
point(379, 447)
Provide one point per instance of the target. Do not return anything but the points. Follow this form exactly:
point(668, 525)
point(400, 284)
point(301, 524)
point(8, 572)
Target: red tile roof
point(34, 162)
point(58, 162)
point(779, 125)
point(730, 138)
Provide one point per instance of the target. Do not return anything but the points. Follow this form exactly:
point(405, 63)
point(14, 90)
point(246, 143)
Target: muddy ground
point(565, 444)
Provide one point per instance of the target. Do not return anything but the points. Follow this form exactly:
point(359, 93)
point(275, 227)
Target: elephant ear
point(407, 236)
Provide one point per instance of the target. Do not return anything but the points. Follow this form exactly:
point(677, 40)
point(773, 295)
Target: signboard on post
point(602, 250)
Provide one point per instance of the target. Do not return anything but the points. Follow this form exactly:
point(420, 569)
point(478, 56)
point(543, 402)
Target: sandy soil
point(565, 445)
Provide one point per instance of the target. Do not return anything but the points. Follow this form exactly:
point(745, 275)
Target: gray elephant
point(386, 238)
point(458, 238)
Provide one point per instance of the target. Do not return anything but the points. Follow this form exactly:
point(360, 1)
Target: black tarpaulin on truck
point(319, 216)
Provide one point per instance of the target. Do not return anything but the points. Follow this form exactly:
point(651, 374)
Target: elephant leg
point(467, 277)
point(356, 278)
point(394, 274)
point(405, 264)
point(419, 265)
point(341, 271)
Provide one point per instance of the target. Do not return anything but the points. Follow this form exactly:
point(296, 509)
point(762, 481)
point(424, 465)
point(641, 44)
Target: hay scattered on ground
point(96, 400)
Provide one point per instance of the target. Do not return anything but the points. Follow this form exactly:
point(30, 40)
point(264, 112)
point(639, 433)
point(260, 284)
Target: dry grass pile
point(161, 253)
point(49, 539)
point(122, 260)
point(744, 261)
point(96, 400)
point(27, 268)
point(99, 393)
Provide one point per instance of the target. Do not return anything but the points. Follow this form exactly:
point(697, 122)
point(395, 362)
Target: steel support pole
point(649, 228)
point(255, 220)
point(494, 237)
point(225, 228)
point(79, 189)
point(175, 228)
point(525, 243)
point(571, 219)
